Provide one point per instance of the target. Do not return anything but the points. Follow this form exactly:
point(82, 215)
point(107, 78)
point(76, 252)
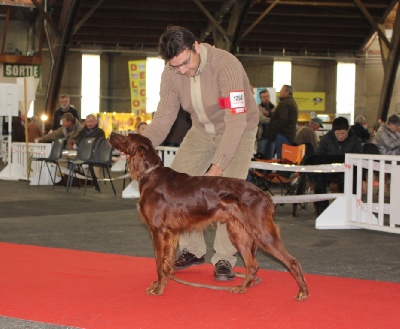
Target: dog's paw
point(238, 290)
point(302, 295)
point(155, 289)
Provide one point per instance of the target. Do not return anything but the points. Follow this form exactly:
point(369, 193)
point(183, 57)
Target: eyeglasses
point(178, 67)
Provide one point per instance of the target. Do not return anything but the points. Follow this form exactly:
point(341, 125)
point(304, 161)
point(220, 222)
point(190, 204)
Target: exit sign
point(19, 70)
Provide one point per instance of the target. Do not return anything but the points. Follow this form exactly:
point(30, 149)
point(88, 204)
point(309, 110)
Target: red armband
point(235, 102)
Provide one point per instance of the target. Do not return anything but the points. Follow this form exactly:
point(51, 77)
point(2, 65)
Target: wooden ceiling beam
point(260, 18)
point(324, 4)
point(372, 22)
point(87, 15)
point(213, 21)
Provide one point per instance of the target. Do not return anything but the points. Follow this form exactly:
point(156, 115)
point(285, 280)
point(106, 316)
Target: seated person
point(306, 134)
point(91, 129)
point(387, 137)
point(360, 127)
point(141, 127)
point(69, 130)
point(332, 148)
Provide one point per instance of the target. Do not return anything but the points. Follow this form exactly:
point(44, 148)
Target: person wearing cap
point(306, 134)
point(387, 137)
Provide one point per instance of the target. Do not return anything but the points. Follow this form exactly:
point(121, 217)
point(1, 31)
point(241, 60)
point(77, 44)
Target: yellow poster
point(122, 123)
point(137, 82)
point(310, 101)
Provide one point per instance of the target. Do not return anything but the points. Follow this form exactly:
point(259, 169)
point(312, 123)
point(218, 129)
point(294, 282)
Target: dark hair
point(394, 119)
point(340, 123)
point(263, 91)
point(289, 89)
point(68, 117)
point(174, 40)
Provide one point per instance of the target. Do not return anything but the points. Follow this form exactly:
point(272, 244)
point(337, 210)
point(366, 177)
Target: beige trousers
point(194, 158)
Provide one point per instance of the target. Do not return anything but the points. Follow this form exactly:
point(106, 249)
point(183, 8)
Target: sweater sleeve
point(167, 110)
point(231, 77)
point(58, 133)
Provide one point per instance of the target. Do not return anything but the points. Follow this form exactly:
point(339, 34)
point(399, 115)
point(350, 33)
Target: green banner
point(20, 71)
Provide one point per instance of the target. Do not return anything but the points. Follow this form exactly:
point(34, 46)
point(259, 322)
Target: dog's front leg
point(165, 243)
point(157, 287)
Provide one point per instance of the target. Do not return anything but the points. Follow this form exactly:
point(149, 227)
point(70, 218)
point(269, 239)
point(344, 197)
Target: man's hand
point(214, 171)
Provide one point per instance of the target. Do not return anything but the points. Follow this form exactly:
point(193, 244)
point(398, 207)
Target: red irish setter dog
point(173, 202)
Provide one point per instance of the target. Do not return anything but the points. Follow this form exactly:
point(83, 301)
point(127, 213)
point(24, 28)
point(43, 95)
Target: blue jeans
point(266, 147)
point(279, 140)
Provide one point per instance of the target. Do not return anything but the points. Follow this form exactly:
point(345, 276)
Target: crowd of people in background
point(277, 125)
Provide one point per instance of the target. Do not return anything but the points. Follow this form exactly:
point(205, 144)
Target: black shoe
point(223, 271)
point(187, 259)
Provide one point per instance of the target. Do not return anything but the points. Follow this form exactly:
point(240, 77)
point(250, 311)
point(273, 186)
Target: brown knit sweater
point(219, 74)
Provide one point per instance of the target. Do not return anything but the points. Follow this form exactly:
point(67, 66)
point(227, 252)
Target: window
point(282, 74)
point(90, 102)
point(345, 90)
point(154, 69)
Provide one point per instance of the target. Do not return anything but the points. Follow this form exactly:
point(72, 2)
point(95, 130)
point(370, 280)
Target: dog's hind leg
point(246, 246)
point(272, 244)
point(165, 243)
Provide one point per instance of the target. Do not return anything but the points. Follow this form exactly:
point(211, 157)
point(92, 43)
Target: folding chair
point(54, 157)
point(102, 158)
point(84, 154)
point(287, 180)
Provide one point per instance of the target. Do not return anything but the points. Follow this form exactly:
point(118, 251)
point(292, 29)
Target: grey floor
point(106, 223)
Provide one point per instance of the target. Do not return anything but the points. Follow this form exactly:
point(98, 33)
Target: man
point(213, 87)
point(306, 134)
point(283, 124)
point(387, 137)
point(69, 130)
point(91, 129)
point(265, 147)
point(360, 127)
point(332, 148)
point(141, 127)
point(65, 107)
point(18, 130)
point(34, 130)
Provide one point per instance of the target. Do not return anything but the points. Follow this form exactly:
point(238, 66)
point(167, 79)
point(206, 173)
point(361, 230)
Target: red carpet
point(94, 290)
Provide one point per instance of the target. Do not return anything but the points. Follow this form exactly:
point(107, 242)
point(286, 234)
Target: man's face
point(187, 62)
point(66, 124)
point(64, 102)
point(141, 129)
point(341, 135)
point(315, 125)
point(90, 122)
point(392, 127)
point(265, 98)
point(283, 93)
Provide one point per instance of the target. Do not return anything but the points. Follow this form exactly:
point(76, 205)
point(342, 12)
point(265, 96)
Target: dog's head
point(131, 143)
point(140, 152)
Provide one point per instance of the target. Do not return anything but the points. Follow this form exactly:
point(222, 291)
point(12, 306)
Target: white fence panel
point(20, 160)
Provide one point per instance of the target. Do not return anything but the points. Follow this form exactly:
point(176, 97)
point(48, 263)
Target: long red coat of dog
point(172, 202)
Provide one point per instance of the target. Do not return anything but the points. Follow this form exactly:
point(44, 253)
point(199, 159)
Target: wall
point(318, 75)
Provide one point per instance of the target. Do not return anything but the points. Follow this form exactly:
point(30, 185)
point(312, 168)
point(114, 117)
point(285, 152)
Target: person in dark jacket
point(18, 129)
point(332, 148)
point(283, 124)
point(91, 129)
point(65, 107)
point(360, 127)
point(179, 129)
point(265, 147)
